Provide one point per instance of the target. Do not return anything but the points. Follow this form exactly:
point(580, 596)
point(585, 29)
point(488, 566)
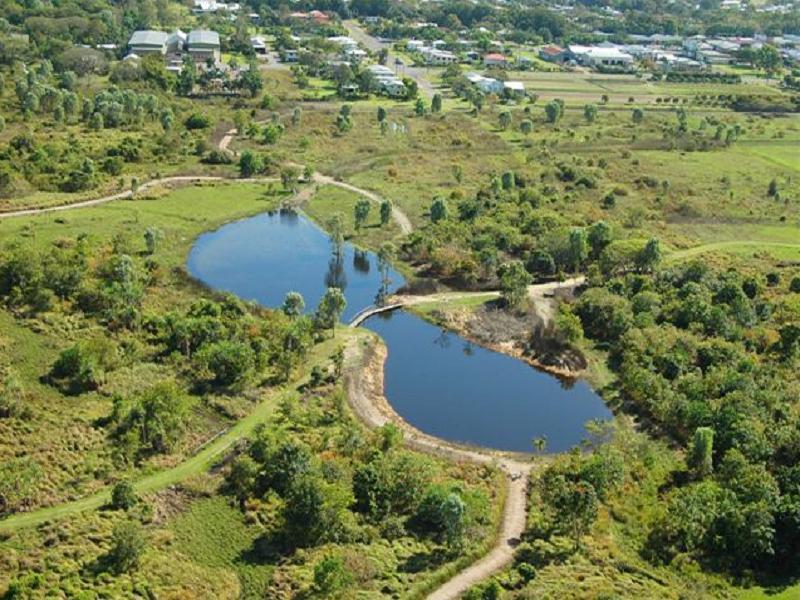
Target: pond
point(436, 380)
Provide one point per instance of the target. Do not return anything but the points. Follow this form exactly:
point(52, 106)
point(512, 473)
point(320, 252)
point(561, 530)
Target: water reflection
point(361, 261)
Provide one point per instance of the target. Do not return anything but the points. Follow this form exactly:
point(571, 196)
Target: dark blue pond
point(436, 380)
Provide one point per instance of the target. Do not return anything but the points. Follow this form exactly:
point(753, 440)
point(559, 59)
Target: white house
point(438, 57)
point(415, 45)
point(487, 85)
point(600, 56)
point(514, 88)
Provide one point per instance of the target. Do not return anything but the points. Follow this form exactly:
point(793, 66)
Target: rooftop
point(203, 37)
point(148, 37)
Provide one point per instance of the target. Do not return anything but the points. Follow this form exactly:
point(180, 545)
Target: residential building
point(487, 85)
point(415, 45)
point(600, 56)
point(258, 45)
point(438, 57)
point(515, 89)
point(202, 44)
point(553, 54)
point(147, 42)
point(495, 59)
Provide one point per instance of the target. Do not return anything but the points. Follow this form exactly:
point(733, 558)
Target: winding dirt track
point(364, 385)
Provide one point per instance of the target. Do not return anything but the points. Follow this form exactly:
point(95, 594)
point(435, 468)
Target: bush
point(127, 546)
point(197, 121)
point(123, 496)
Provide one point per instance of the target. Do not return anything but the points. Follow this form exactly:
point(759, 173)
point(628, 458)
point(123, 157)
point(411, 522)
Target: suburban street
point(419, 74)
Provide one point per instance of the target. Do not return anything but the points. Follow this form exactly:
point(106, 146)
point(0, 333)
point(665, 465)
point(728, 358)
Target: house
point(553, 54)
point(290, 55)
point(487, 85)
point(514, 89)
point(495, 59)
point(145, 42)
point(714, 57)
point(258, 45)
point(600, 56)
point(438, 57)
point(354, 55)
point(207, 7)
point(394, 87)
point(415, 45)
point(319, 17)
point(202, 44)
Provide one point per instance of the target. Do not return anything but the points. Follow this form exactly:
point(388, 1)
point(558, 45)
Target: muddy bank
point(526, 337)
point(363, 380)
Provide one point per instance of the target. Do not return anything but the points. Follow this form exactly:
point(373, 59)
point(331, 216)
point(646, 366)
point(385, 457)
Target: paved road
point(419, 74)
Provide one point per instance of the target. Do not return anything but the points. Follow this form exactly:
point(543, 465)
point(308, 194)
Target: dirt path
point(364, 385)
point(398, 215)
point(128, 193)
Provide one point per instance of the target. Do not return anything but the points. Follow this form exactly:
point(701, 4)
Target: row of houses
point(608, 56)
point(200, 44)
point(388, 82)
point(668, 53)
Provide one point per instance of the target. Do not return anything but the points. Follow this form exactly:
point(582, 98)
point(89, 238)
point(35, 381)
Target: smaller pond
point(438, 381)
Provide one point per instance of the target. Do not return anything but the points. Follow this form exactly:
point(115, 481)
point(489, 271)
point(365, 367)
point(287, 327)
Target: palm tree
point(539, 444)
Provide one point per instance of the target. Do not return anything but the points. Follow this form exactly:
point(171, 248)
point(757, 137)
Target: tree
point(701, 453)
point(436, 103)
point(574, 503)
point(123, 496)
point(227, 362)
point(599, 237)
point(242, 477)
point(526, 127)
point(289, 177)
point(250, 163)
point(438, 210)
point(343, 121)
point(505, 120)
point(772, 189)
point(553, 111)
point(514, 282)
point(578, 248)
point(250, 80)
point(151, 237)
point(330, 309)
point(637, 115)
point(386, 212)
point(297, 116)
point(293, 304)
point(127, 546)
point(650, 255)
point(590, 113)
point(419, 107)
point(769, 59)
point(187, 76)
point(361, 212)
point(381, 114)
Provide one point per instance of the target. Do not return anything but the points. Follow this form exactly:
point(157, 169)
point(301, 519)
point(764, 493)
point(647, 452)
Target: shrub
point(123, 496)
point(197, 121)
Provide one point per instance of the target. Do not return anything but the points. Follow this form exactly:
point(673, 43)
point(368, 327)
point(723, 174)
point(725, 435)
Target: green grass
point(330, 200)
point(212, 533)
point(194, 465)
